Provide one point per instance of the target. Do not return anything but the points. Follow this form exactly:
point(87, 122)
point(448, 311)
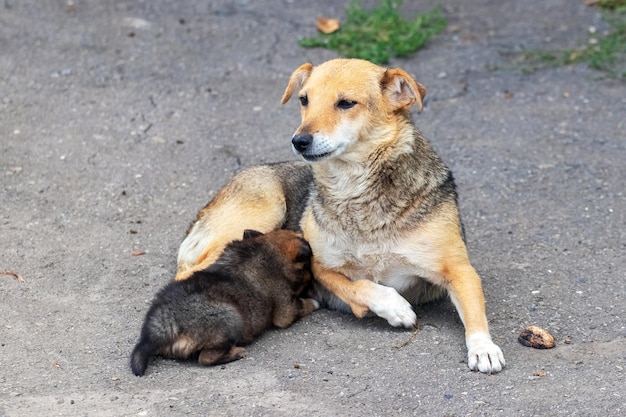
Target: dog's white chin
point(317, 157)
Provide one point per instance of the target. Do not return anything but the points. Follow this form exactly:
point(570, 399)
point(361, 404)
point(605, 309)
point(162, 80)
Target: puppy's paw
point(306, 306)
point(237, 353)
point(391, 306)
point(309, 305)
point(483, 355)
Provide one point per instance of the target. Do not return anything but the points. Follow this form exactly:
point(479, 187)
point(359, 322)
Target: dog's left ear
point(297, 80)
point(248, 233)
point(401, 89)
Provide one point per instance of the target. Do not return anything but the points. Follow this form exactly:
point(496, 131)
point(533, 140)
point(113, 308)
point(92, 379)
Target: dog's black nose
point(302, 142)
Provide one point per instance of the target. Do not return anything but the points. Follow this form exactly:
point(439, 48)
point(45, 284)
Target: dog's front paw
point(391, 306)
point(483, 355)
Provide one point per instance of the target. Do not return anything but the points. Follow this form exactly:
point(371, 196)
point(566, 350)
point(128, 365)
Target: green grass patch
point(611, 4)
point(607, 53)
point(379, 34)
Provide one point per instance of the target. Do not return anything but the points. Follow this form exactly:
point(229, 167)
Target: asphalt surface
point(119, 120)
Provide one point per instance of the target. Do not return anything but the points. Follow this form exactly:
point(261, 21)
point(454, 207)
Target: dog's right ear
point(248, 233)
point(297, 80)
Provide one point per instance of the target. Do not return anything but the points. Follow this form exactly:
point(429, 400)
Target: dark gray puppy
point(254, 284)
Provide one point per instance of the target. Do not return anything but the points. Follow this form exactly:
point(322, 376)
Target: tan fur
point(228, 214)
point(382, 218)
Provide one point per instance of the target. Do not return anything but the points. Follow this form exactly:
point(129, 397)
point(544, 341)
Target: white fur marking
point(193, 244)
point(482, 354)
point(391, 306)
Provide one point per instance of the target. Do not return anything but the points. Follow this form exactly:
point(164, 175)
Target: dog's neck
point(373, 192)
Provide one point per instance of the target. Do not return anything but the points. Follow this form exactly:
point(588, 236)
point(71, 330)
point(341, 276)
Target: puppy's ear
point(248, 233)
point(305, 252)
point(401, 89)
point(297, 80)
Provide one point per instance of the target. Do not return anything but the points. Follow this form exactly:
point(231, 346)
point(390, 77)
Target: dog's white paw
point(483, 355)
point(394, 308)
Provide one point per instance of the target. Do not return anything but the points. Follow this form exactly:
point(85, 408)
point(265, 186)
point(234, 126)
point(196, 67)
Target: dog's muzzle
point(312, 149)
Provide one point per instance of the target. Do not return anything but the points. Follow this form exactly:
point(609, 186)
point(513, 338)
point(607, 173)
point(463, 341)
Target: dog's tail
point(156, 333)
point(141, 355)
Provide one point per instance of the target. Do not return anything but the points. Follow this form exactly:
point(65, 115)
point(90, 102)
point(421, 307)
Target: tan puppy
point(376, 204)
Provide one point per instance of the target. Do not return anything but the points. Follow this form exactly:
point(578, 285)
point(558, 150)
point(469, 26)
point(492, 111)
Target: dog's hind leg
point(285, 315)
point(253, 199)
point(210, 357)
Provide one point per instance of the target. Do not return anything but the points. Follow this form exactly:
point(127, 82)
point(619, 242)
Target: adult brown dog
point(255, 283)
point(377, 205)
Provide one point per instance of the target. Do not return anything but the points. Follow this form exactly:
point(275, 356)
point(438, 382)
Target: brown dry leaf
point(17, 276)
point(575, 55)
point(327, 26)
point(540, 373)
point(138, 253)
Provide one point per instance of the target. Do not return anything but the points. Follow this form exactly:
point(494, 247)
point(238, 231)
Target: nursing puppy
point(376, 203)
point(254, 284)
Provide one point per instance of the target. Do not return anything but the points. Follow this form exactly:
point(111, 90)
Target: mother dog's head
point(346, 103)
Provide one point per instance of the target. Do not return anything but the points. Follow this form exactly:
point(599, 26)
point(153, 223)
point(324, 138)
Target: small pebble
point(536, 337)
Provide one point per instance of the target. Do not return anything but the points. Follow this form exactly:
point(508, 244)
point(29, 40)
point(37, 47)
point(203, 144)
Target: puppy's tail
point(142, 353)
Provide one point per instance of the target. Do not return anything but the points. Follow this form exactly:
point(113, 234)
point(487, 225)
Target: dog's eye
point(304, 100)
point(346, 104)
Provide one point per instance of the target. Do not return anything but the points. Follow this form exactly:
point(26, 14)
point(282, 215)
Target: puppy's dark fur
point(254, 284)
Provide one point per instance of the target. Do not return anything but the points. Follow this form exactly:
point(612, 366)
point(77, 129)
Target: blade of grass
point(607, 54)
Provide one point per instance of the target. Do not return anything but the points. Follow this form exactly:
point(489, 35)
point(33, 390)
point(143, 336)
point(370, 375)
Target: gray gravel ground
point(120, 119)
